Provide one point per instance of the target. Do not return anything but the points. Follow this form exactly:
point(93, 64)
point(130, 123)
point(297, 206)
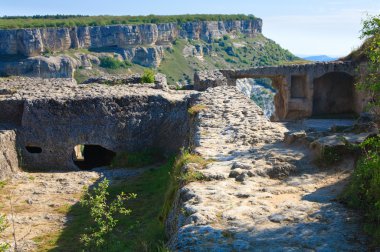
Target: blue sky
point(306, 27)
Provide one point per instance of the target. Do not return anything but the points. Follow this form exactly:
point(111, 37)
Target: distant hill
point(319, 58)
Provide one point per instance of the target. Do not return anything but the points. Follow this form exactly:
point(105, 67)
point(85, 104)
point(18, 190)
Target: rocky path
point(40, 201)
point(260, 194)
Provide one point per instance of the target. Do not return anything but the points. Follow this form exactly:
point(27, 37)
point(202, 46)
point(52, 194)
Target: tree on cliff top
point(370, 76)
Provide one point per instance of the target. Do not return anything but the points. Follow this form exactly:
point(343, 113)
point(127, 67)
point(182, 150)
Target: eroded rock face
point(8, 153)
point(56, 115)
point(33, 42)
point(40, 66)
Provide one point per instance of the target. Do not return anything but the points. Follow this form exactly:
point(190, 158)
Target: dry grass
point(196, 109)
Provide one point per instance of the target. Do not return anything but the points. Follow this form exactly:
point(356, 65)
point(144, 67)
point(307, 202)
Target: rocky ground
point(260, 193)
point(40, 201)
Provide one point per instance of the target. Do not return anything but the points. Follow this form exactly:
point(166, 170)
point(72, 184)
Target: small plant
point(179, 178)
point(148, 76)
point(104, 215)
point(3, 225)
point(196, 109)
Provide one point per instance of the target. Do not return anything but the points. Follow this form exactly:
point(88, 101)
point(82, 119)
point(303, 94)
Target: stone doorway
point(87, 157)
point(333, 95)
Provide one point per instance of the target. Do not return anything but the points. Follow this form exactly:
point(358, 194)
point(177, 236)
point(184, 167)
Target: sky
point(305, 27)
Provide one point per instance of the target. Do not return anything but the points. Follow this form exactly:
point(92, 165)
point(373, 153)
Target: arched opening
point(334, 95)
point(87, 156)
point(259, 90)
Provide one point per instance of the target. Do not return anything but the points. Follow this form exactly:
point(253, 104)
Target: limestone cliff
point(35, 41)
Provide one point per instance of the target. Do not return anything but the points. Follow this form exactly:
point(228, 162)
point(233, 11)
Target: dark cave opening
point(333, 94)
point(87, 157)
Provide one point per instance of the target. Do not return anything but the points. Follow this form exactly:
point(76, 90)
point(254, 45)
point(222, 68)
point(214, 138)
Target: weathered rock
point(242, 208)
point(204, 80)
point(8, 153)
point(40, 66)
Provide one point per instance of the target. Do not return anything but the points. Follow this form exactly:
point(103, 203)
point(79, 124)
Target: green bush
point(363, 191)
point(148, 76)
point(112, 63)
point(104, 216)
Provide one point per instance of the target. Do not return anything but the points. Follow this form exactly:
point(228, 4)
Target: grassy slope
point(227, 53)
point(141, 231)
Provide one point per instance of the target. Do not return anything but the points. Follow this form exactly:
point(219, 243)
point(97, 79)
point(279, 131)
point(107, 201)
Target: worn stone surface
point(8, 153)
point(260, 194)
point(58, 114)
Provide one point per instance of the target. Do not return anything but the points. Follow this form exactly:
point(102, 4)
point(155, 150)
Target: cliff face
point(33, 42)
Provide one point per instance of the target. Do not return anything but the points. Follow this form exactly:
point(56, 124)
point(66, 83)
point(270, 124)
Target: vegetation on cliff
point(13, 22)
point(363, 192)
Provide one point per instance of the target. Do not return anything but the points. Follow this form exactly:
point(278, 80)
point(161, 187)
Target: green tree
point(104, 215)
point(370, 75)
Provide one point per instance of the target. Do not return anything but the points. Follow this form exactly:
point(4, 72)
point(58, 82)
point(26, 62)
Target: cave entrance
point(334, 95)
point(259, 90)
point(87, 157)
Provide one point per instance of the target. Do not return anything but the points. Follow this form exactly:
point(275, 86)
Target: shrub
point(363, 191)
point(148, 76)
point(112, 63)
point(370, 76)
point(104, 215)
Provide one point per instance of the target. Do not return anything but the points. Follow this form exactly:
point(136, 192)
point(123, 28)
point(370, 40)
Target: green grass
point(178, 178)
point(363, 191)
point(75, 20)
point(141, 231)
point(175, 66)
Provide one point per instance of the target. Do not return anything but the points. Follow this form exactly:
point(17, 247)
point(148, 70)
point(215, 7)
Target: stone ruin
point(302, 90)
point(43, 121)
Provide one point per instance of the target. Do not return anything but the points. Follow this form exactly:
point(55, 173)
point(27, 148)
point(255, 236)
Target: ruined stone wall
point(298, 87)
